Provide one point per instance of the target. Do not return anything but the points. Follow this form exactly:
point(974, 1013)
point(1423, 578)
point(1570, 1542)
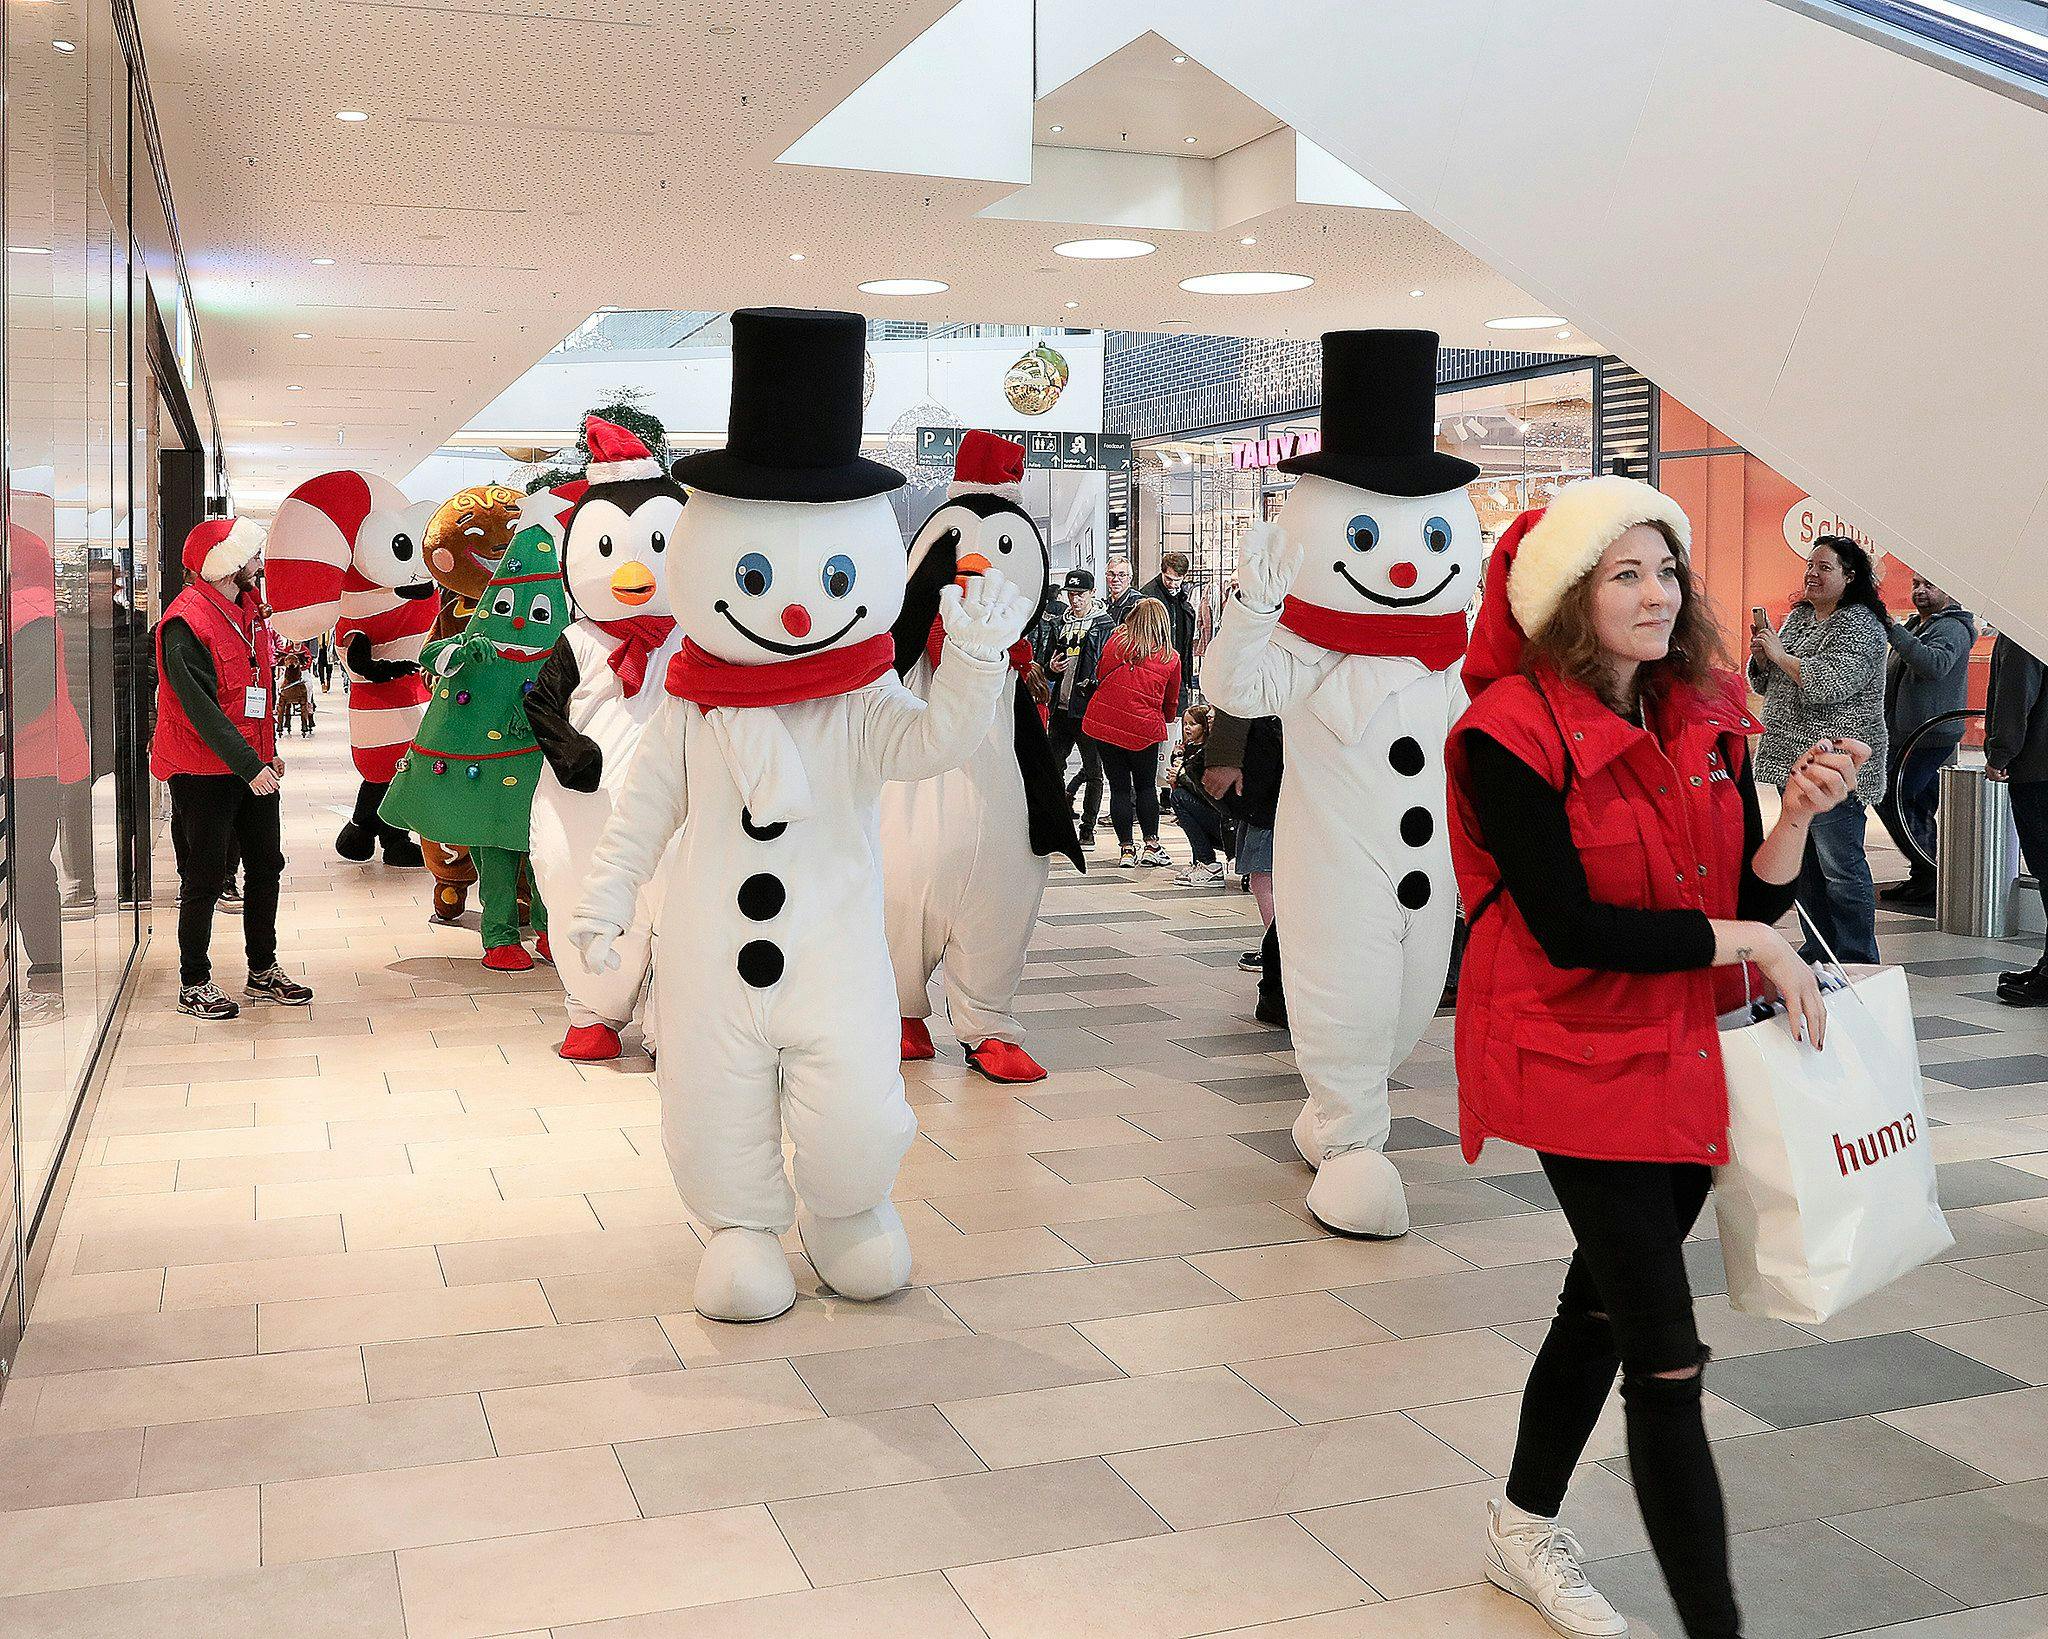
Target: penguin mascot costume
point(966, 852)
point(1348, 623)
point(782, 720)
point(591, 701)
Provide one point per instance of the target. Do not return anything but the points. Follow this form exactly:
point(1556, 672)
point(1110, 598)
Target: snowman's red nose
point(1402, 575)
point(796, 620)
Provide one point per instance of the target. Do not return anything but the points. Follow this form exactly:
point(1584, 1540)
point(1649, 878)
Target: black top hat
point(794, 430)
point(1379, 416)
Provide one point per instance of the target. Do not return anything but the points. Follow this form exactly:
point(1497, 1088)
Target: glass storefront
point(81, 423)
point(1197, 492)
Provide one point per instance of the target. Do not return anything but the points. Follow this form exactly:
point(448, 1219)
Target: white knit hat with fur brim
point(1582, 520)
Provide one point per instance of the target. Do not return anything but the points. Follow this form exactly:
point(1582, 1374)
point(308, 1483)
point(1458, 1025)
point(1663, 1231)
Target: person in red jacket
point(216, 746)
point(1607, 839)
point(1135, 705)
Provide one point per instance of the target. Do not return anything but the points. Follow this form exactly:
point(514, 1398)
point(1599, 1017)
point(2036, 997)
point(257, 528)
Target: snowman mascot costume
point(591, 702)
point(1348, 623)
point(966, 852)
point(782, 720)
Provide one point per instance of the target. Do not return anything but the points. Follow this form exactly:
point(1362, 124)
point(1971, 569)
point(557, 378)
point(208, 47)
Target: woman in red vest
point(1134, 707)
point(1610, 849)
point(216, 746)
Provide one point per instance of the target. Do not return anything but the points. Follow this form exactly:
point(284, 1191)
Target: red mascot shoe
point(508, 958)
point(917, 1040)
point(543, 949)
point(1004, 1061)
point(590, 1043)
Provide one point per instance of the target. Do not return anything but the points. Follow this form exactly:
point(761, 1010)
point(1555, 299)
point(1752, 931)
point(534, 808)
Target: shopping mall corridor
point(374, 1320)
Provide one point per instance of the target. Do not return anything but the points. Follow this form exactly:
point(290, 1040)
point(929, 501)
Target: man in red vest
point(216, 747)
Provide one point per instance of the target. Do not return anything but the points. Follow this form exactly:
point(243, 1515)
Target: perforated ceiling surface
point(529, 161)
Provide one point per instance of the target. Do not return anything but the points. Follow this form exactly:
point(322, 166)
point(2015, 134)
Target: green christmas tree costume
point(469, 776)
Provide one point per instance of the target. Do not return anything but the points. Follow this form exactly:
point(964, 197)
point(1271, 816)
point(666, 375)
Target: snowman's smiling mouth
point(860, 614)
point(1393, 603)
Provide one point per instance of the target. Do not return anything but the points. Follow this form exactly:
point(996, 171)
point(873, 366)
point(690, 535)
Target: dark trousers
point(1627, 1306)
point(1207, 827)
point(1133, 790)
point(1835, 887)
point(2030, 819)
point(1064, 731)
point(1272, 988)
point(214, 817)
point(38, 901)
point(1909, 805)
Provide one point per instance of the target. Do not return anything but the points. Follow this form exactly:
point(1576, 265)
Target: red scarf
point(935, 641)
point(638, 637)
point(1438, 641)
point(710, 681)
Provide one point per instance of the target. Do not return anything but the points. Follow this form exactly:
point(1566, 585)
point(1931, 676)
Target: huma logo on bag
point(1872, 1148)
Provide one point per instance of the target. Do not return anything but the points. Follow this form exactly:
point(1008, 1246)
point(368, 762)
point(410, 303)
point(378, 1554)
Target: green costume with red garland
point(468, 778)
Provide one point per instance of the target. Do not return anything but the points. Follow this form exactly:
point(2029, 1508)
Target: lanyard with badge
point(255, 696)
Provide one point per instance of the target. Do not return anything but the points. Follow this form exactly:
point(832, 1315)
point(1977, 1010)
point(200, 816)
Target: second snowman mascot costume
point(1348, 623)
point(774, 1001)
point(968, 850)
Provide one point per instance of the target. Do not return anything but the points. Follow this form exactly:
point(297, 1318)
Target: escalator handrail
point(1897, 761)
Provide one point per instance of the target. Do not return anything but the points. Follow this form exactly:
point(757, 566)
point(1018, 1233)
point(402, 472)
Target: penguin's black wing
point(1049, 817)
point(920, 607)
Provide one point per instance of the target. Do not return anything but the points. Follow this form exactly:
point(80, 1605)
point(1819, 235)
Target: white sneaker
point(1538, 1560)
point(1200, 876)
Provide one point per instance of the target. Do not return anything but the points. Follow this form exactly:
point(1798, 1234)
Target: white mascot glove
point(593, 938)
point(1267, 562)
point(986, 618)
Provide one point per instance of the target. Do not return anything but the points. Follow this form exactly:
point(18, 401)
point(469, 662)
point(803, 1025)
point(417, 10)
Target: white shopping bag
point(1829, 1189)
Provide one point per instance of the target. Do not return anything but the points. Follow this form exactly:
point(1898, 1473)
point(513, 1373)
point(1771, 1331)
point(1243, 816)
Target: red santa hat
point(218, 547)
point(987, 465)
point(616, 455)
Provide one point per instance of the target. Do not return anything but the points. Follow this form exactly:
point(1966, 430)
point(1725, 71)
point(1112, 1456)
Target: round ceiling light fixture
point(64, 46)
point(294, 387)
point(350, 116)
point(1179, 60)
point(1415, 293)
point(904, 287)
point(1525, 321)
point(1188, 139)
point(1564, 335)
point(323, 261)
point(1104, 250)
point(302, 335)
point(1245, 284)
point(796, 256)
point(1057, 129)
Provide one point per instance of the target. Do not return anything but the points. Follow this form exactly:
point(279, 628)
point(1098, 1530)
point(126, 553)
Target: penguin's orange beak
point(965, 568)
point(632, 583)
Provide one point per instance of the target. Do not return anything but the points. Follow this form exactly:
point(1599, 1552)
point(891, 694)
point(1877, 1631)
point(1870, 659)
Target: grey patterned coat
point(1840, 694)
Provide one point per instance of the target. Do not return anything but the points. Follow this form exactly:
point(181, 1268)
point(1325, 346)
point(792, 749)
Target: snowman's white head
point(616, 556)
point(756, 582)
point(1368, 553)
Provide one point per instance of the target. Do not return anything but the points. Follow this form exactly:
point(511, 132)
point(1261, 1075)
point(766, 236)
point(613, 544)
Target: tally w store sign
point(1267, 452)
point(1071, 452)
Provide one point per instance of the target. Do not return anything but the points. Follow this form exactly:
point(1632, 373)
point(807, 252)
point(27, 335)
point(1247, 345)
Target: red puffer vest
point(244, 652)
point(53, 743)
point(1135, 701)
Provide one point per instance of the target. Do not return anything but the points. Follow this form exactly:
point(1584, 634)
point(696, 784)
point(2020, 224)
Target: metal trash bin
point(1977, 856)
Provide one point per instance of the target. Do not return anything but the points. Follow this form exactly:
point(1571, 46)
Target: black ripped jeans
point(1627, 1307)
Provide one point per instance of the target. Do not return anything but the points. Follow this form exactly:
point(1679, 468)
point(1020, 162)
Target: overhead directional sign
point(1067, 452)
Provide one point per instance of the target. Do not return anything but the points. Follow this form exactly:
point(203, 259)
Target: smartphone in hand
point(1758, 620)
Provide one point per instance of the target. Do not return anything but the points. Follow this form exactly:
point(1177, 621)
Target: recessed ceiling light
point(1526, 321)
point(1415, 293)
point(302, 335)
point(1187, 139)
point(294, 387)
point(63, 45)
point(796, 256)
point(30, 250)
point(1247, 240)
point(323, 261)
point(291, 423)
point(1564, 335)
point(1180, 59)
point(1057, 129)
point(351, 116)
point(1104, 250)
point(1073, 304)
point(904, 287)
point(1245, 284)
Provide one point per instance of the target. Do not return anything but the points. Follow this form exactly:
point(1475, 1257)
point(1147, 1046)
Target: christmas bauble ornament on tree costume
point(469, 774)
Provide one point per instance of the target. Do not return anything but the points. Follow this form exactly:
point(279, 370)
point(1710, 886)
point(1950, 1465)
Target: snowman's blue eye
point(838, 575)
point(1436, 535)
point(1363, 533)
point(754, 574)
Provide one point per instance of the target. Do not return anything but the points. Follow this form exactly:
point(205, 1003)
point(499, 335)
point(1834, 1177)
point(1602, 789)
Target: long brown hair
point(1570, 646)
point(1144, 631)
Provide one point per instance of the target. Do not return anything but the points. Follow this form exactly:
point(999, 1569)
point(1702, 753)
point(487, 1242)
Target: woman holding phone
point(1618, 877)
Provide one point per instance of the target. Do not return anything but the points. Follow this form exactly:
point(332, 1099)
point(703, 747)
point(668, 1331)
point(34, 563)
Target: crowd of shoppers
point(1821, 676)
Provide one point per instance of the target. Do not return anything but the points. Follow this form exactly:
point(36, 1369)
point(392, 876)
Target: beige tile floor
point(373, 1319)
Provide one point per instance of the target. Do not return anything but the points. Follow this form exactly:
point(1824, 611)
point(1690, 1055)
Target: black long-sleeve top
point(1523, 823)
point(577, 760)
